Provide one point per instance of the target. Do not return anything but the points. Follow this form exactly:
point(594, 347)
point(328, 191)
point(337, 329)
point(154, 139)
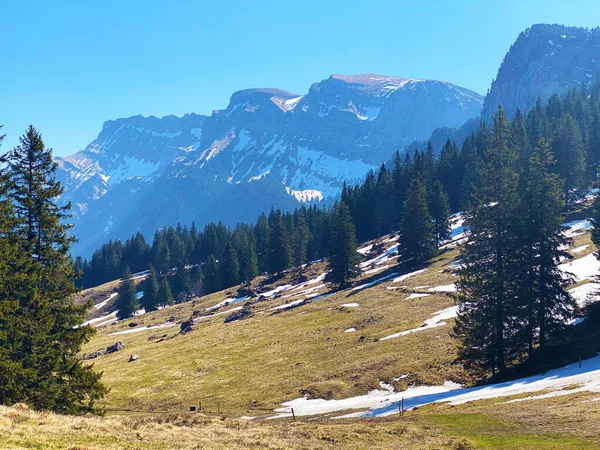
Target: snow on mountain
point(268, 148)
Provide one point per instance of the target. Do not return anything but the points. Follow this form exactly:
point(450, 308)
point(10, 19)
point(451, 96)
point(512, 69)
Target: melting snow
point(575, 227)
point(373, 283)
point(102, 304)
point(364, 250)
point(349, 305)
point(350, 330)
point(380, 403)
point(584, 268)
point(579, 249)
point(227, 301)
point(444, 288)
point(416, 295)
point(434, 322)
point(139, 329)
point(581, 294)
point(407, 275)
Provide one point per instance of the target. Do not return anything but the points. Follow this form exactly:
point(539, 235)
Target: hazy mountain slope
point(545, 59)
point(268, 148)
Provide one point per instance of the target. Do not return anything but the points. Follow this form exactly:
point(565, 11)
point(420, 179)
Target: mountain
point(544, 60)
point(268, 148)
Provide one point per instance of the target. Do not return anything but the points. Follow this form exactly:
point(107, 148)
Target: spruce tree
point(440, 213)
point(279, 248)
point(547, 305)
point(126, 303)
point(248, 262)
point(301, 238)
point(182, 284)
point(211, 275)
point(197, 279)
point(343, 263)
point(229, 267)
point(417, 236)
point(39, 363)
point(568, 149)
point(165, 297)
point(487, 282)
point(150, 299)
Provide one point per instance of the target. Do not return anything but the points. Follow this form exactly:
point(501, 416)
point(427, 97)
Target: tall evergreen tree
point(440, 213)
point(165, 297)
point(229, 267)
point(211, 275)
point(279, 248)
point(417, 236)
point(126, 303)
point(344, 260)
point(42, 360)
point(301, 238)
point(568, 149)
point(546, 303)
point(150, 299)
point(487, 280)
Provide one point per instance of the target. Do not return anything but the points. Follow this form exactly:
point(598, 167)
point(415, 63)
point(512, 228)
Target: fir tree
point(487, 281)
point(344, 260)
point(417, 236)
point(301, 238)
point(568, 149)
point(150, 299)
point(165, 297)
point(440, 213)
point(248, 262)
point(182, 284)
point(41, 357)
point(229, 267)
point(211, 275)
point(279, 257)
point(126, 303)
point(197, 279)
point(548, 306)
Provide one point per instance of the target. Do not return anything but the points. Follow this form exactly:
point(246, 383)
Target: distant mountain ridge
point(268, 148)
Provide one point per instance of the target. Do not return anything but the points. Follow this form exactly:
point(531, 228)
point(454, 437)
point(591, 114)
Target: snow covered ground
point(383, 402)
point(103, 303)
point(436, 321)
point(585, 268)
point(140, 329)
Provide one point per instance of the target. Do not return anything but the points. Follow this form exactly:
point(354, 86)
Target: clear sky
point(68, 66)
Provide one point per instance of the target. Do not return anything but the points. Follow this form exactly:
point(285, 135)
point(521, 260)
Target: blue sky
point(68, 66)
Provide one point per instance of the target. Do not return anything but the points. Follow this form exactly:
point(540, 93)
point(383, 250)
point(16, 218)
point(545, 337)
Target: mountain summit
point(268, 148)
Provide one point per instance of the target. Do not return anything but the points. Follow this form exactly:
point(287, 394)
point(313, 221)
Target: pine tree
point(546, 304)
point(211, 275)
point(248, 262)
point(279, 248)
point(568, 149)
point(162, 255)
point(440, 213)
point(417, 236)
point(45, 337)
point(165, 297)
point(486, 282)
point(344, 260)
point(182, 284)
point(126, 303)
point(197, 279)
point(150, 299)
point(229, 267)
point(301, 238)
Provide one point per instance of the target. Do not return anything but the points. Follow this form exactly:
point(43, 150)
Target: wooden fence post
point(293, 415)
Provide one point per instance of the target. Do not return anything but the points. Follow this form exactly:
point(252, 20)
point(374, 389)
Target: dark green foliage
point(301, 239)
point(150, 299)
point(343, 263)
point(279, 245)
point(181, 284)
point(229, 267)
point(487, 279)
point(165, 297)
point(544, 302)
point(567, 146)
point(126, 303)
point(439, 208)
point(39, 333)
point(211, 275)
point(417, 235)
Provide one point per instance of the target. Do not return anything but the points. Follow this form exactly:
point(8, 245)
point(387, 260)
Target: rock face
point(268, 148)
point(545, 59)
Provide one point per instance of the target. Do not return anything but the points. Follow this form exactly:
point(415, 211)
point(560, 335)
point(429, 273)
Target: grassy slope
point(250, 367)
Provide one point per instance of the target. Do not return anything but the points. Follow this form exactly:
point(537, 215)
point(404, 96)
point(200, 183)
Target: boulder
point(115, 347)
point(133, 358)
